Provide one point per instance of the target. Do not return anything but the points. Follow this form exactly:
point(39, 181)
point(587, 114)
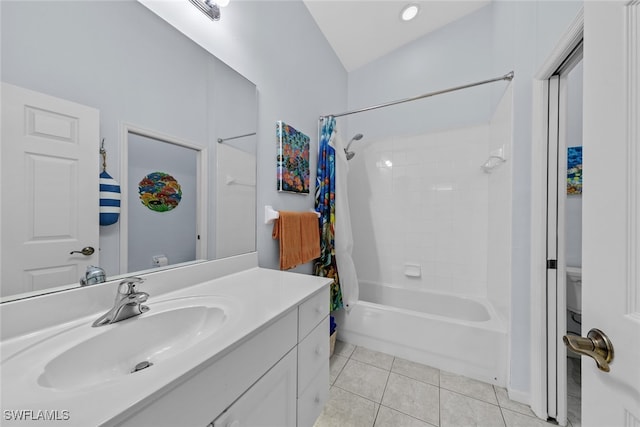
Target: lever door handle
point(86, 251)
point(596, 345)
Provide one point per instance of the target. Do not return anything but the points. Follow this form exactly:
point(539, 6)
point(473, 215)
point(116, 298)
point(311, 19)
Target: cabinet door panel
point(314, 397)
point(270, 402)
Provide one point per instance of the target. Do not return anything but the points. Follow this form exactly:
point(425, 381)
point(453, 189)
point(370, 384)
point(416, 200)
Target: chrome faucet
point(128, 303)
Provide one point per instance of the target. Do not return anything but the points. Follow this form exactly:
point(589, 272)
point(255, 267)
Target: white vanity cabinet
point(279, 376)
point(313, 358)
point(295, 390)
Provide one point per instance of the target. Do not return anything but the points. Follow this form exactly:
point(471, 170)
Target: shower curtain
point(344, 237)
point(333, 205)
point(325, 266)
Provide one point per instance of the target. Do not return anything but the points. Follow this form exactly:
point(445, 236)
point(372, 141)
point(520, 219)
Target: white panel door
point(611, 206)
point(50, 168)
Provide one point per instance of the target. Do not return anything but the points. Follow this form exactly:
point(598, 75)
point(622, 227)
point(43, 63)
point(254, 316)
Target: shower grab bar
point(221, 140)
point(509, 76)
point(270, 214)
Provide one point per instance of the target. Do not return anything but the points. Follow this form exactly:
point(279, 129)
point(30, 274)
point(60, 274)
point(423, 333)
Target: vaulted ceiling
point(361, 31)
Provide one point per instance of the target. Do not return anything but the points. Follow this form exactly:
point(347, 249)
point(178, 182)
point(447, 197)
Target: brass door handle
point(596, 345)
point(86, 251)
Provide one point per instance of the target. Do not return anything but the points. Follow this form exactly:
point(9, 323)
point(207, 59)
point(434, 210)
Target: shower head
point(356, 137)
point(351, 154)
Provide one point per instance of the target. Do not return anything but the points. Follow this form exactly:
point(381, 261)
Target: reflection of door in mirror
point(164, 201)
point(49, 190)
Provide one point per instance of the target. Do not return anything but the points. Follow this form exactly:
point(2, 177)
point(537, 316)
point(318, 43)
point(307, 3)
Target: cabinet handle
point(319, 350)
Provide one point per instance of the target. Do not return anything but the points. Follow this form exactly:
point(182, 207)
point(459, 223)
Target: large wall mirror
point(158, 104)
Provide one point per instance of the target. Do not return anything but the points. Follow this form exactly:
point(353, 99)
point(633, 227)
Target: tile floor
point(370, 389)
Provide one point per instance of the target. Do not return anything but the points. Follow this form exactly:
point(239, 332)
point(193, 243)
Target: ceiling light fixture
point(210, 8)
point(409, 12)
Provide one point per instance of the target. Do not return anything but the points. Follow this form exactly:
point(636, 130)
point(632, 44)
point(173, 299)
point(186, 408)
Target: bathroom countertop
point(260, 297)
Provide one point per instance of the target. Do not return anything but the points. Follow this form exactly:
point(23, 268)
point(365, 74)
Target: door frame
point(202, 192)
point(540, 313)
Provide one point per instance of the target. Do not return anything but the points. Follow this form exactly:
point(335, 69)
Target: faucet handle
point(128, 285)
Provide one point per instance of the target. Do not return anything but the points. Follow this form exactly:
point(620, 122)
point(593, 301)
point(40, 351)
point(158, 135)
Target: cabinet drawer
point(312, 311)
point(313, 353)
point(313, 399)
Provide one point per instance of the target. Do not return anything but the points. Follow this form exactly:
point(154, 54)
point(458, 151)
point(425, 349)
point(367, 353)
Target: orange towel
point(299, 238)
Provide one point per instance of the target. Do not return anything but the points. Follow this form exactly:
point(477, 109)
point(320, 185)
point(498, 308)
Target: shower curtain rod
point(508, 76)
point(221, 140)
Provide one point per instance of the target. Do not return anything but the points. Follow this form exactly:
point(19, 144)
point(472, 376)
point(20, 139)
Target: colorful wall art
point(293, 159)
point(160, 192)
point(574, 170)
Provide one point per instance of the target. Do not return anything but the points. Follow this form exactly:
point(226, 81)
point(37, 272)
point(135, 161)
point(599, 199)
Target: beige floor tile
point(457, 410)
point(468, 387)
point(346, 409)
point(336, 364)
point(412, 397)
point(388, 417)
point(514, 419)
point(375, 358)
point(344, 349)
point(362, 379)
point(505, 402)
point(416, 371)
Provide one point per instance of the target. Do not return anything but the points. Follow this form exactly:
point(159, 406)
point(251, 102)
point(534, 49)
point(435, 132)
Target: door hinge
point(552, 264)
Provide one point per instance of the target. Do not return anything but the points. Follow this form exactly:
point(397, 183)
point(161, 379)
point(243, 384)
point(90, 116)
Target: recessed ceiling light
point(409, 12)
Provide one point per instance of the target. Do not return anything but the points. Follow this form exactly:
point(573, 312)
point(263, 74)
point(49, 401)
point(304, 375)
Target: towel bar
point(270, 214)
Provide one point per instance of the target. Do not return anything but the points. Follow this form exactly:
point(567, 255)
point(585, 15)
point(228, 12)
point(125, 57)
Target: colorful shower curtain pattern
point(325, 266)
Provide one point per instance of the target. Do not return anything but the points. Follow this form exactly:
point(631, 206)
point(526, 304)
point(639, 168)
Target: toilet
point(574, 300)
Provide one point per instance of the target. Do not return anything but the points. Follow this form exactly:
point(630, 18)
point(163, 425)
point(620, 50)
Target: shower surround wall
point(429, 218)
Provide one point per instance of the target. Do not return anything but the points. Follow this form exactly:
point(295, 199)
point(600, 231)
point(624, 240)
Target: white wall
point(457, 54)
point(524, 33)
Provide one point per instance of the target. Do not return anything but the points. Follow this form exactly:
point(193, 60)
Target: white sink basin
point(102, 354)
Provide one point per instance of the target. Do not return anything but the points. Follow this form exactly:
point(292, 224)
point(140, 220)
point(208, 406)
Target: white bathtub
point(451, 333)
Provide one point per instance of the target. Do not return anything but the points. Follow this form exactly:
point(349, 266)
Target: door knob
point(596, 345)
point(86, 251)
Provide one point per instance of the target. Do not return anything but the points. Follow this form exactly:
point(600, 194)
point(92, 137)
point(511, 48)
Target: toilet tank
point(574, 289)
